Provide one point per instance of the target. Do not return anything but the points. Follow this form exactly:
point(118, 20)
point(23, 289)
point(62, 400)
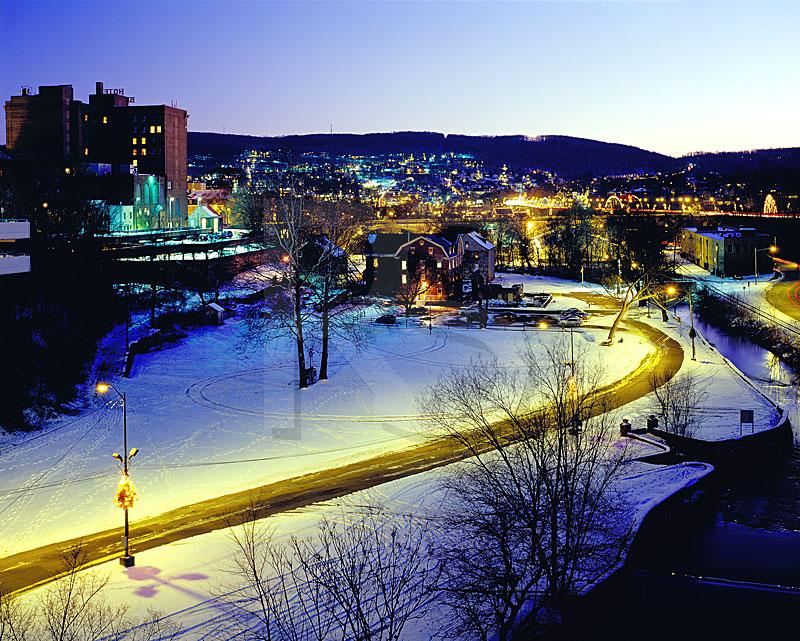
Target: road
point(25, 570)
point(786, 297)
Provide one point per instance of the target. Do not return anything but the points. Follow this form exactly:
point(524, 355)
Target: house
point(727, 251)
point(477, 264)
point(203, 217)
point(436, 263)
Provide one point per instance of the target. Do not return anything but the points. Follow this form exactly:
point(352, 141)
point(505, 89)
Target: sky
point(669, 76)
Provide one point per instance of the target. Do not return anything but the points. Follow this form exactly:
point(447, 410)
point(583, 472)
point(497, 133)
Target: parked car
point(386, 319)
point(570, 322)
point(417, 311)
point(456, 322)
point(505, 319)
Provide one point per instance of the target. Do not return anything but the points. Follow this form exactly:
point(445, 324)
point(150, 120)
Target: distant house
point(441, 264)
point(436, 261)
point(382, 269)
point(202, 217)
point(477, 264)
point(727, 251)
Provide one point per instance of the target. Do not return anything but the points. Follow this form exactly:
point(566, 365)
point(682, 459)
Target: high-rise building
point(110, 134)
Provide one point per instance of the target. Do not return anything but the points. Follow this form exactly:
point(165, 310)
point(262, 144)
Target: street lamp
point(672, 290)
point(126, 493)
point(771, 249)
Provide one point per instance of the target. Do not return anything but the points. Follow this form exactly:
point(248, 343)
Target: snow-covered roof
point(477, 239)
point(204, 212)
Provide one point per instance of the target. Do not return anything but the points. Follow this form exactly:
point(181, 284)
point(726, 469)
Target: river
point(730, 569)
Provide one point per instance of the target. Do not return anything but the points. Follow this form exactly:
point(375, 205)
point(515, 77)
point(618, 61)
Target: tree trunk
point(323, 362)
point(615, 325)
point(298, 323)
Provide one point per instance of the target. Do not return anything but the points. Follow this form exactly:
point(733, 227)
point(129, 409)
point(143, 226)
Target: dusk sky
point(673, 77)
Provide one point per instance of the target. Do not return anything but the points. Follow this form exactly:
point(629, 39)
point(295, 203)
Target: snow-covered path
point(210, 420)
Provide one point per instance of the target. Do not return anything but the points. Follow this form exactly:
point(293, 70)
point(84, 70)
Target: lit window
point(144, 152)
point(152, 129)
point(85, 117)
point(135, 162)
point(438, 264)
point(403, 265)
point(135, 152)
point(158, 129)
point(85, 151)
point(105, 120)
point(375, 262)
point(144, 140)
point(403, 279)
point(430, 251)
point(135, 141)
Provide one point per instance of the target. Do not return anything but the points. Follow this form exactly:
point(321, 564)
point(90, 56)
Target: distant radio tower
point(331, 128)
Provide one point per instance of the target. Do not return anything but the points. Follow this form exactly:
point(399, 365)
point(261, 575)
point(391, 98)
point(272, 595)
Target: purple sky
point(668, 76)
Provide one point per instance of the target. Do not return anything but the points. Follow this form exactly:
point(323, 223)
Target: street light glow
point(671, 290)
point(101, 388)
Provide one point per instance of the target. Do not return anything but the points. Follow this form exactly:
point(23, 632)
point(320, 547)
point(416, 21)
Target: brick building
point(107, 136)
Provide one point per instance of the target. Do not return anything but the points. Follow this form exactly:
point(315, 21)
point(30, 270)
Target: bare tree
point(282, 310)
point(410, 291)
point(676, 401)
point(644, 288)
point(363, 581)
point(73, 608)
point(534, 514)
point(16, 619)
point(339, 227)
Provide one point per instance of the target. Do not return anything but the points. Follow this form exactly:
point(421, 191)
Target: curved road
point(786, 297)
point(28, 569)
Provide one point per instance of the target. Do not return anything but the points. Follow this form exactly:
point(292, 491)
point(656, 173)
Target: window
point(403, 279)
point(144, 140)
point(430, 251)
point(403, 265)
point(152, 129)
point(135, 162)
point(144, 151)
point(85, 117)
point(135, 151)
point(85, 151)
point(135, 141)
point(413, 250)
point(105, 120)
point(169, 184)
point(375, 263)
point(438, 264)
point(158, 129)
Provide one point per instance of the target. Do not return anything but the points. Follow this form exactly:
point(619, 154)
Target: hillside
point(566, 156)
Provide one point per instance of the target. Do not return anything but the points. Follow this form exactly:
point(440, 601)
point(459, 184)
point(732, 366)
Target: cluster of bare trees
point(676, 401)
point(363, 579)
point(313, 293)
point(532, 517)
point(74, 608)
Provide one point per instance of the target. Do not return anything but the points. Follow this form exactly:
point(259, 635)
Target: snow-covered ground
point(747, 289)
point(199, 406)
point(209, 420)
point(190, 580)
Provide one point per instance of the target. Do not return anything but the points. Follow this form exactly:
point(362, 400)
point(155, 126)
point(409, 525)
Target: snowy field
point(210, 420)
point(189, 581)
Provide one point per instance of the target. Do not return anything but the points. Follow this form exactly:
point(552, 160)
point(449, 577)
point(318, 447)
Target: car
point(417, 311)
point(570, 322)
point(386, 319)
point(506, 318)
point(456, 322)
